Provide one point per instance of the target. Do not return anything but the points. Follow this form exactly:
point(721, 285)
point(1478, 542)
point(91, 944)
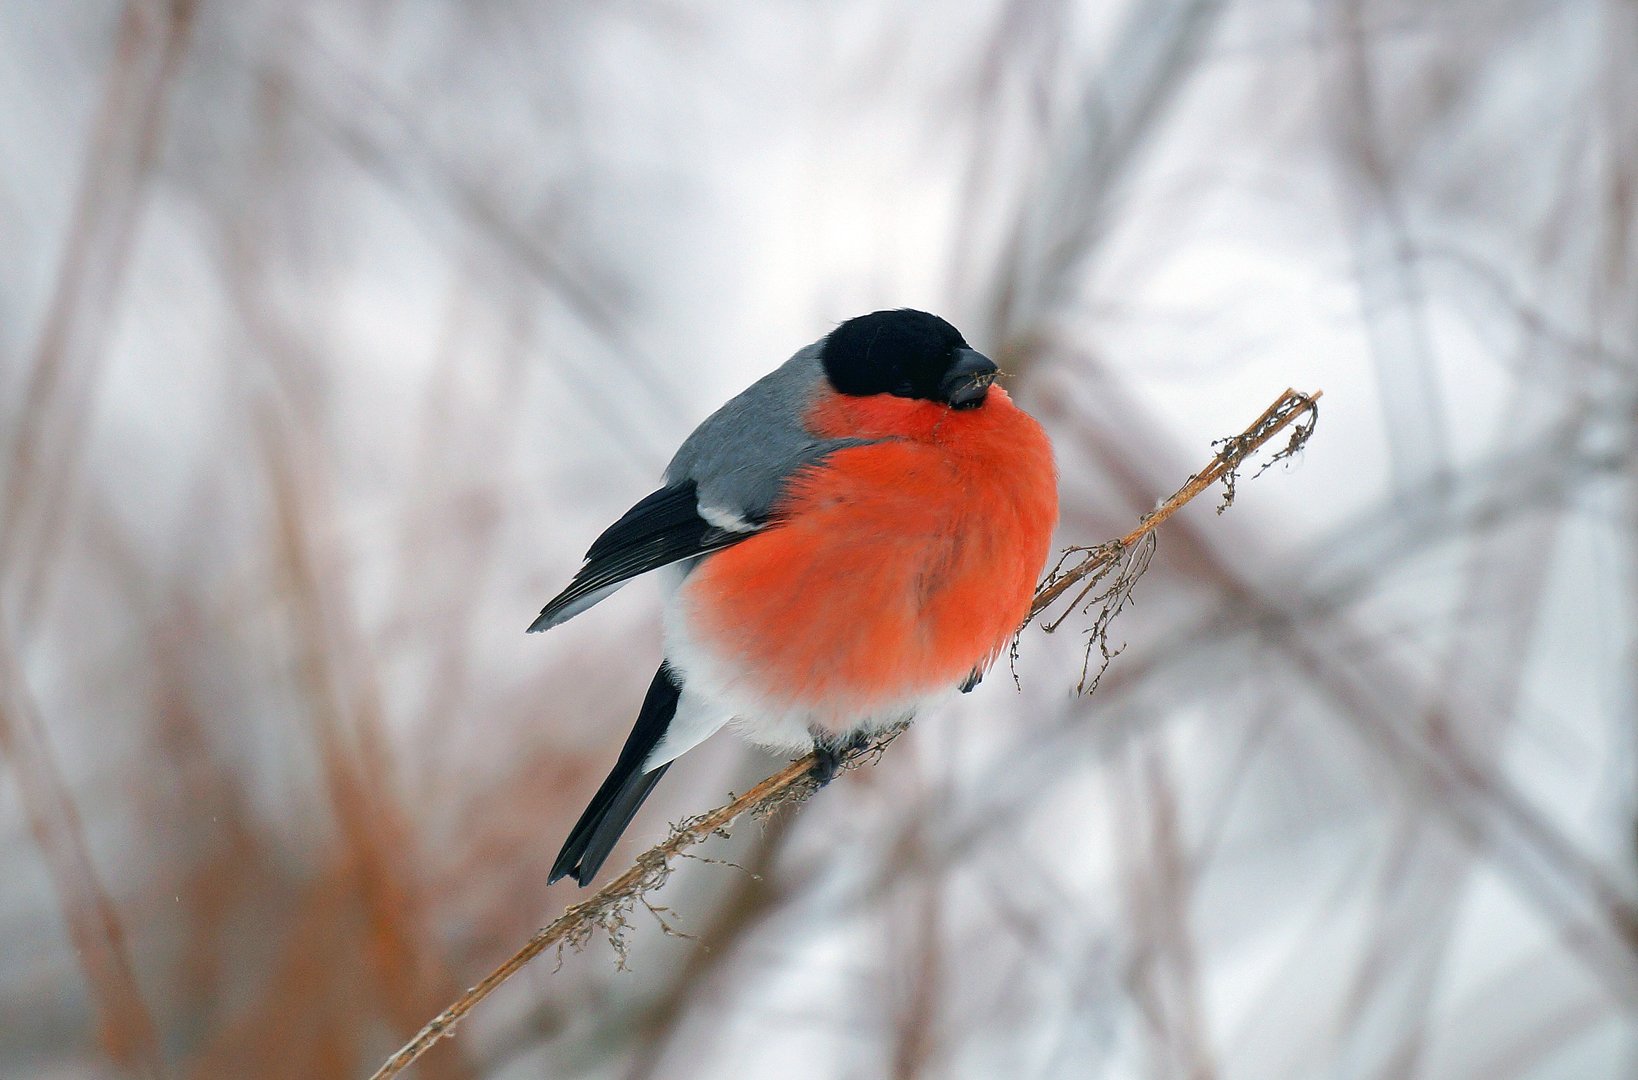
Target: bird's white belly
point(717, 693)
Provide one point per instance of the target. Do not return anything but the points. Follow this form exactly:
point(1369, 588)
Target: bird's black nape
point(908, 354)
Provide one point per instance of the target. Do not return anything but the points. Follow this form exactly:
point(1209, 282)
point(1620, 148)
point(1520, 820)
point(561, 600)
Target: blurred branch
point(126, 1025)
point(40, 456)
point(47, 443)
point(609, 908)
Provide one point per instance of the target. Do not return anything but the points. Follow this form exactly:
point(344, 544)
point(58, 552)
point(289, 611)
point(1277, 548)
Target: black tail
point(616, 802)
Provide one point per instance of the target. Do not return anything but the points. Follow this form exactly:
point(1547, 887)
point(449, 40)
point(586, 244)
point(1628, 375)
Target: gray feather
point(741, 456)
point(721, 487)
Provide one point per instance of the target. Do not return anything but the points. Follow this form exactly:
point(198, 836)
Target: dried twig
point(608, 908)
point(1130, 554)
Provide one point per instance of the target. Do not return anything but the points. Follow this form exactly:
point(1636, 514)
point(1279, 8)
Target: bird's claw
point(828, 757)
point(827, 760)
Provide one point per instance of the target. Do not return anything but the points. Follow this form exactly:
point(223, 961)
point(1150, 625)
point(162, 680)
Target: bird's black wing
point(664, 528)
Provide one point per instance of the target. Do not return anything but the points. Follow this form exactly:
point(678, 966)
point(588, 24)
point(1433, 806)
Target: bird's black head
point(908, 354)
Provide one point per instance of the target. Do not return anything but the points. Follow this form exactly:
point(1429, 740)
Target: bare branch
point(1225, 467)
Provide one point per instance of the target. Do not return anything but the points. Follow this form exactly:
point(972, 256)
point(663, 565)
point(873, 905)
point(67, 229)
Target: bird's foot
point(826, 761)
point(828, 756)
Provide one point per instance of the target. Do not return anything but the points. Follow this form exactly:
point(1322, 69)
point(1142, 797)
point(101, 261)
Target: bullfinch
point(852, 538)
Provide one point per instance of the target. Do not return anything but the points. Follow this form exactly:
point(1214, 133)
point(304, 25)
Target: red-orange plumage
point(896, 568)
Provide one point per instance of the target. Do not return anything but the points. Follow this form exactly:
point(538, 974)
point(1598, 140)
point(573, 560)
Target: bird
point(852, 539)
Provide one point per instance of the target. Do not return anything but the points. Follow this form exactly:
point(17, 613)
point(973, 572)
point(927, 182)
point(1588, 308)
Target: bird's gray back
point(742, 454)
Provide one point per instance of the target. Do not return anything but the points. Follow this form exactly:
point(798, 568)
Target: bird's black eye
point(908, 354)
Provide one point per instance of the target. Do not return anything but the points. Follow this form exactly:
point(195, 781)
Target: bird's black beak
point(968, 380)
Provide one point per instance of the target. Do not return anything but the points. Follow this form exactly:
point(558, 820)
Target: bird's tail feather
point(616, 802)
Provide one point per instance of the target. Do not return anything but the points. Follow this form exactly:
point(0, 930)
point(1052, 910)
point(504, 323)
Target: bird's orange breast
point(896, 567)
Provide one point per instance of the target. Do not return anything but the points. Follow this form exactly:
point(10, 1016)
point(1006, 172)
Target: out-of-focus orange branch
point(609, 907)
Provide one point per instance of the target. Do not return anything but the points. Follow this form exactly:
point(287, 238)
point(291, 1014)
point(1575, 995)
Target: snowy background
point(331, 334)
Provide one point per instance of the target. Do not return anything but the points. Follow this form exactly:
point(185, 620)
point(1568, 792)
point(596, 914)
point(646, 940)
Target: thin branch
point(1225, 467)
point(126, 1025)
point(607, 909)
point(1128, 557)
